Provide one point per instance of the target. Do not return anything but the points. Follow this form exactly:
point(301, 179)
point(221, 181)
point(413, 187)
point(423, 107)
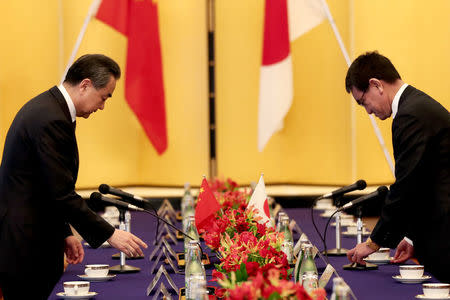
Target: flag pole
point(61, 36)
point(212, 95)
point(347, 59)
point(92, 12)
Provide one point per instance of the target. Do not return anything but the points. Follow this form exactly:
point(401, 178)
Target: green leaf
point(238, 276)
point(274, 296)
point(244, 272)
point(230, 231)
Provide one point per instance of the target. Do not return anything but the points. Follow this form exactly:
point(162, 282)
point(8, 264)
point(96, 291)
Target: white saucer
point(411, 280)
point(428, 298)
point(324, 207)
point(346, 233)
point(85, 296)
point(327, 213)
point(100, 278)
point(104, 245)
point(345, 223)
point(379, 261)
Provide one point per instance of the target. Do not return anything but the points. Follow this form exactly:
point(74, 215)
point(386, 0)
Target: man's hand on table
point(127, 243)
point(73, 249)
point(359, 252)
point(403, 252)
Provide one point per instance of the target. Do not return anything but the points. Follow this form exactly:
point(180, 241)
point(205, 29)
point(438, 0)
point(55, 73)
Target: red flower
point(267, 267)
point(212, 240)
point(220, 293)
point(248, 238)
point(261, 229)
point(319, 294)
point(241, 226)
point(264, 252)
point(301, 294)
point(217, 275)
point(252, 268)
point(232, 185)
point(239, 293)
point(269, 290)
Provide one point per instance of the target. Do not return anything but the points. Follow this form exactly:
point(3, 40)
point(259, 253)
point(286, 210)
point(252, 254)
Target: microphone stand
point(359, 230)
point(128, 229)
point(123, 268)
point(338, 251)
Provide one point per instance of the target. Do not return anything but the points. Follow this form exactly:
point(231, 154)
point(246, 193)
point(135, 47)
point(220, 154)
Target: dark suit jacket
point(37, 190)
point(418, 205)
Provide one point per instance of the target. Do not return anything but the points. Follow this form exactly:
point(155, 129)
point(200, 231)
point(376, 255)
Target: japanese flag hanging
point(285, 21)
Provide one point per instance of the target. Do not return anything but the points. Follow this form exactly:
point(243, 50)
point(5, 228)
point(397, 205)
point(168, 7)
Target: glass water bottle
point(308, 264)
point(190, 230)
point(193, 268)
point(300, 257)
point(288, 242)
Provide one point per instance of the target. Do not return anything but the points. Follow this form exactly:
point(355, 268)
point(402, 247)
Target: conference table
point(366, 285)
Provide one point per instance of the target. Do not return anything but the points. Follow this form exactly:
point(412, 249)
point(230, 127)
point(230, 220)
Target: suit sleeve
point(67, 230)
point(56, 146)
point(410, 140)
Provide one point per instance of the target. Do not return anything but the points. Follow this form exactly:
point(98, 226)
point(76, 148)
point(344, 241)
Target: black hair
point(97, 67)
point(370, 65)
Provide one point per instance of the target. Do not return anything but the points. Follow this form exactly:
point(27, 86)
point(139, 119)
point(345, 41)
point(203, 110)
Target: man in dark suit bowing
point(37, 184)
point(416, 213)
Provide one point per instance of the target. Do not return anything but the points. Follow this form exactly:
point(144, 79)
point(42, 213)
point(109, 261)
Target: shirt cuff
point(372, 245)
point(408, 241)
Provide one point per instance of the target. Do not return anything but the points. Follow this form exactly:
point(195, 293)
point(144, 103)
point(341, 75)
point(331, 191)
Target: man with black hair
point(415, 217)
point(37, 184)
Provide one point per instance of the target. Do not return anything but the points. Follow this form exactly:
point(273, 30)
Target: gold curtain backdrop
point(315, 146)
point(113, 147)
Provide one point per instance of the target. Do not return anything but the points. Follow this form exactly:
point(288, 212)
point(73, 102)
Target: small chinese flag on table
point(207, 206)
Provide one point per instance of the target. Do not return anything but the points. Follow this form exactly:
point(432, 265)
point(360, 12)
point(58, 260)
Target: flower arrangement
point(233, 221)
point(233, 199)
point(265, 284)
point(264, 252)
point(222, 186)
point(252, 265)
point(228, 193)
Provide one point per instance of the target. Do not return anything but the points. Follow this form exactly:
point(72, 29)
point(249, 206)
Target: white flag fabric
point(282, 23)
point(259, 201)
point(303, 16)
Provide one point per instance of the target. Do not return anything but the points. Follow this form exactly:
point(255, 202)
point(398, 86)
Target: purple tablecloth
point(376, 284)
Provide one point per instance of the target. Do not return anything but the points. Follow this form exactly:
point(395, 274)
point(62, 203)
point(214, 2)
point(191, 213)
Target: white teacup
point(436, 290)
point(381, 254)
point(411, 271)
point(96, 270)
point(76, 288)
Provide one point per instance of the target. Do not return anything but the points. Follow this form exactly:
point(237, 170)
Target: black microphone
point(380, 192)
point(106, 189)
point(130, 198)
point(359, 185)
point(99, 197)
point(120, 204)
